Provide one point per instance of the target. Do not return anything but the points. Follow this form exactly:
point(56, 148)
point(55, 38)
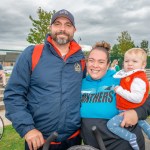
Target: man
point(2, 76)
point(47, 99)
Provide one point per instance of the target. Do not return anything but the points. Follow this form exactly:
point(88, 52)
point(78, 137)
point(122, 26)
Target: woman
point(114, 65)
point(98, 103)
point(2, 76)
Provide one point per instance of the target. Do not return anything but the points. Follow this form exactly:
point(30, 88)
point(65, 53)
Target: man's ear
point(49, 27)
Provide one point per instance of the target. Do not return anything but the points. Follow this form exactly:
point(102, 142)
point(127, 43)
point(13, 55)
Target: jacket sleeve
point(16, 92)
point(144, 111)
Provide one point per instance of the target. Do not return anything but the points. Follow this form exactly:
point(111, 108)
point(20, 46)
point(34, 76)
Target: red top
point(126, 82)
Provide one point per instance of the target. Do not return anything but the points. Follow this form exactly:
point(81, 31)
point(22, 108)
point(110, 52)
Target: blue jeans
point(114, 126)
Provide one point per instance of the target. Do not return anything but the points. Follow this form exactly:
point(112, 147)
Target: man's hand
point(35, 139)
point(130, 118)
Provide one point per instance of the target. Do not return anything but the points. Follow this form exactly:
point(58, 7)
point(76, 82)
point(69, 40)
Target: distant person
point(132, 93)
point(2, 76)
point(1, 128)
point(114, 65)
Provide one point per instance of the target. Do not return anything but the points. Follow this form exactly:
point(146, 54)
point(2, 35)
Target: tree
point(40, 26)
point(144, 45)
point(125, 42)
point(115, 51)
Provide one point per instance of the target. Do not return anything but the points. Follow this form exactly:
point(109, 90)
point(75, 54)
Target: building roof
point(9, 55)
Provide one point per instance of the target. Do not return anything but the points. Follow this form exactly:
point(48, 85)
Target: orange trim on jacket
point(126, 82)
point(72, 136)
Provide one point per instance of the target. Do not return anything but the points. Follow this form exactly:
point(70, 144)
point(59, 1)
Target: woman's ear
point(108, 66)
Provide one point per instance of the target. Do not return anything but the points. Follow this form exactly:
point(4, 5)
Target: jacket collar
point(73, 48)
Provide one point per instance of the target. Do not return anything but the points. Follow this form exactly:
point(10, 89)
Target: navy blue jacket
point(48, 98)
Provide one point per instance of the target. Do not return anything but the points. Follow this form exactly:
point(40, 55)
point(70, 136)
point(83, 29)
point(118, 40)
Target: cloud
point(96, 20)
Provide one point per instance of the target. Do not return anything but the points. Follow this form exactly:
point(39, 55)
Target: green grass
point(11, 140)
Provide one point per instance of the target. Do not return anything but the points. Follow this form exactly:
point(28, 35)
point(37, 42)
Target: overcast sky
point(96, 20)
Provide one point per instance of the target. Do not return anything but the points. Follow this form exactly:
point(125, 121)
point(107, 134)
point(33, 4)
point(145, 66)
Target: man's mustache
point(61, 33)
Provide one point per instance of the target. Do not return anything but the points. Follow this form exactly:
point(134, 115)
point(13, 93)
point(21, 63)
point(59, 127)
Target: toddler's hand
point(116, 87)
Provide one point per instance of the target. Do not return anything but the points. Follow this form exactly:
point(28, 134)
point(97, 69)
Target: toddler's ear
point(144, 65)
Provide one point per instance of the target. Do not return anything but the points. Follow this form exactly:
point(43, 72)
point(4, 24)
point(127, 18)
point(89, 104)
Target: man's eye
point(56, 23)
point(69, 25)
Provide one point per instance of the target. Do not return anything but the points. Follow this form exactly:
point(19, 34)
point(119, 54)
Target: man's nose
point(62, 28)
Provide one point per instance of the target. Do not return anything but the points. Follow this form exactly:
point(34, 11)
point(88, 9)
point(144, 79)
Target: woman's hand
point(130, 118)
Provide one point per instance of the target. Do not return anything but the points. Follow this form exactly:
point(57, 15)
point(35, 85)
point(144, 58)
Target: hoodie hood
point(108, 74)
point(98, 97)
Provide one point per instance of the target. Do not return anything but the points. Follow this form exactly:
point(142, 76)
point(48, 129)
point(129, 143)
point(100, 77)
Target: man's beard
point(61, 41)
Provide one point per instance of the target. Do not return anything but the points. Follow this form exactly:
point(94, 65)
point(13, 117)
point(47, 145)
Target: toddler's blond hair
point(138, 51)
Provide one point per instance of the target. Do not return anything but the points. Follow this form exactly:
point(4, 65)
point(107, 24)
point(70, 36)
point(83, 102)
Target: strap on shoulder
point(83, 64)
point(37, 52)
point(36, 55)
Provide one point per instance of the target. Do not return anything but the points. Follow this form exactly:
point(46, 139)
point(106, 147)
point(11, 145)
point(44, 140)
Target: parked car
point(8, 69)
